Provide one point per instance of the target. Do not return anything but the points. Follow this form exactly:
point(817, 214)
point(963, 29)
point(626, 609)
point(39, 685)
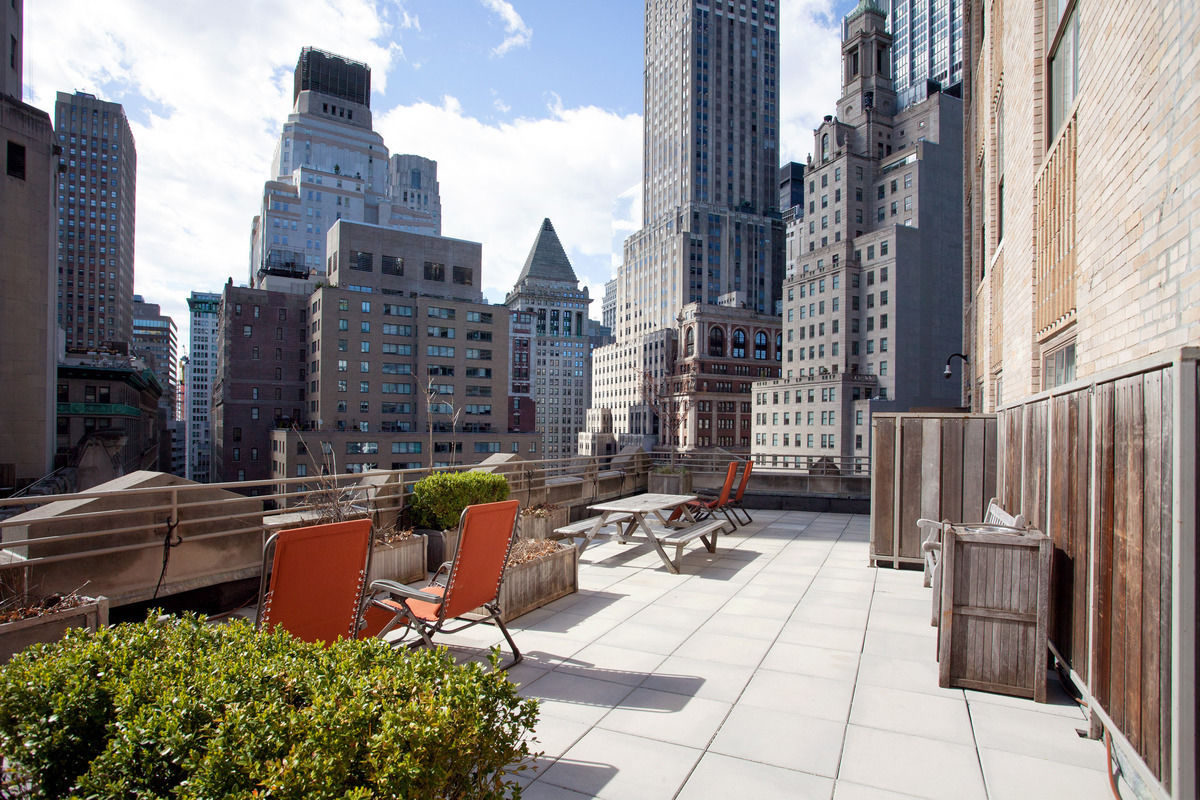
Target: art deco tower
point(96, 184)
point(711, 231)
point(330, 164)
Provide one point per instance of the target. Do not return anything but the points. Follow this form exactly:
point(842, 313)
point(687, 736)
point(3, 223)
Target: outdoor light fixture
point(947, 372)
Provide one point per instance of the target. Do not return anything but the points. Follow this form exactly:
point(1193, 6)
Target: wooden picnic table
point(675, 532)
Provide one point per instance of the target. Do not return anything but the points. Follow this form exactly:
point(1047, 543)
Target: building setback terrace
point(781, 666)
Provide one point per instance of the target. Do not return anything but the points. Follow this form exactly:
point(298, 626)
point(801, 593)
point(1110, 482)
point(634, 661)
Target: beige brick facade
point(1101, 199)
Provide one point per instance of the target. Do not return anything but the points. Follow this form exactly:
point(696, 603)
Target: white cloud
point(499, 180)
point(810, 37)
point(207, 88)
point(518, 33)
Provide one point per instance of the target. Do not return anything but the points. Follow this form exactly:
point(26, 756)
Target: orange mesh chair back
point(316, 579)
point(471, 582)
point(702, 509)
point(707, 508)
point(735, 502)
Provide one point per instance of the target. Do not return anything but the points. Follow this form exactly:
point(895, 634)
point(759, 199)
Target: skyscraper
point(711, 231)
point(96, 181)
point(155, 340)
point(201, 373)
point(872, 302)
point(330, 165)
point(926, 45)
point(550, 362)
point(27, 231)
point(11, 36)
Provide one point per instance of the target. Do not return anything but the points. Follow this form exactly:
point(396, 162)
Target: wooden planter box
point(534, 527)
point(995, 610)
point(533, 584)
point(401, 561)
point(669, 482)
point(16, 636)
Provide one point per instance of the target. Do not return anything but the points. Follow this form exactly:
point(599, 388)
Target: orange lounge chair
point(735, 502)
point(703, 509)
point(314, 588)
point(468, 583)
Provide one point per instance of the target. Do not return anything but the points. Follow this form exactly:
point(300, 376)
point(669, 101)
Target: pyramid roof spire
point(547, 260)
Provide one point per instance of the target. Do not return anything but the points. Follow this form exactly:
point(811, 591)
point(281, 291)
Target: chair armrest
point(405, 592)
point(444, 569)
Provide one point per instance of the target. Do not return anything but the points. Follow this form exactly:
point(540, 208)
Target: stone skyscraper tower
point(330, 164)
point(97, 179)
point(711, 230)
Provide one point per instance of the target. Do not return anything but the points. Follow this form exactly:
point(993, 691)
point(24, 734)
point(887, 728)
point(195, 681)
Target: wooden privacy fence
point(1107, 468)
point(937, 466)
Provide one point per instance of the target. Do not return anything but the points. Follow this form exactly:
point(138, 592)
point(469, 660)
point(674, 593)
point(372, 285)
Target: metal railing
point(148, 533)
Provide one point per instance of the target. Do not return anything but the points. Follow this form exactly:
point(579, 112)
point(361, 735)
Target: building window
point(362, 260)
point(434, 271)
point(739, 344)
point(462, 276)
point(716, 342)
point(16, 153)
point(760, 346)
point(1058, 366)
point(1064, 61)
point(391, 265)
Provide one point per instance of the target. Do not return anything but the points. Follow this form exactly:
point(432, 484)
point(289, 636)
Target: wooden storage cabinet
point(995, 609)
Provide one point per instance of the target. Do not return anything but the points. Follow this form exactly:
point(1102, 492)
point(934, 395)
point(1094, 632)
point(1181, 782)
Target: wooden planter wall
point(16, 636)
point(936, 466)
point(402, 561)
point(534, 527)
point(533, 584)
point(1107, 468)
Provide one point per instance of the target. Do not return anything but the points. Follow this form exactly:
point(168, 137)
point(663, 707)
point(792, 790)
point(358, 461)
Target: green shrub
point(438, 499)
point(182, 708)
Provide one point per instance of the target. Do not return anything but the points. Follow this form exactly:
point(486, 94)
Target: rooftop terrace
point(781, 666)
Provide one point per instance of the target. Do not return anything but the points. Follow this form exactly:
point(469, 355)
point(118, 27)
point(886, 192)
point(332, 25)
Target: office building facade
point(872, 299)
point(711, 231)
point(155, 339)
point(927, 45)
point(96, 203)
point(28, 333)
point(408, 365)
point(201, 374)
point(259, 385)
point(12, 37)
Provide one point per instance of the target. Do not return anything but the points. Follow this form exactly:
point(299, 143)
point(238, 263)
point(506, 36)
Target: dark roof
point(547, 260)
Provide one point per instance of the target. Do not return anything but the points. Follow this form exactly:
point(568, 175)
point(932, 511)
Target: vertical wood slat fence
point(1107, 468)
point(932, 465)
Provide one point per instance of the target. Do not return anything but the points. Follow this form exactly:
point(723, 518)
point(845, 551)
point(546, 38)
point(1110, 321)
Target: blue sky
point(532, 109)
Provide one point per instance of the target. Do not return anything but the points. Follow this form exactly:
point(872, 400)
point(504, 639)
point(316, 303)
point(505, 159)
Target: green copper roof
point(547, 260)
point(863, 7)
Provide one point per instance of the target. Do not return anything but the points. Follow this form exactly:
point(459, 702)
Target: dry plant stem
point(525, 550)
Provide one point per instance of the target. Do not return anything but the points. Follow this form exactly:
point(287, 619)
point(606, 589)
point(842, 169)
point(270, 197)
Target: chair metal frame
point(703, 509)
point(735, 502)
point(430, 610)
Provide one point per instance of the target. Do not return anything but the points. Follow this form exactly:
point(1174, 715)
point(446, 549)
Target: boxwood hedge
point(182, 708)
point(439, 498)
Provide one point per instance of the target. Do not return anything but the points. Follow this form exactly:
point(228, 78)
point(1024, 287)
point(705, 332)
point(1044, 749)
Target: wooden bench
point(706, 531)
point(931, 546)
point(584, 525)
